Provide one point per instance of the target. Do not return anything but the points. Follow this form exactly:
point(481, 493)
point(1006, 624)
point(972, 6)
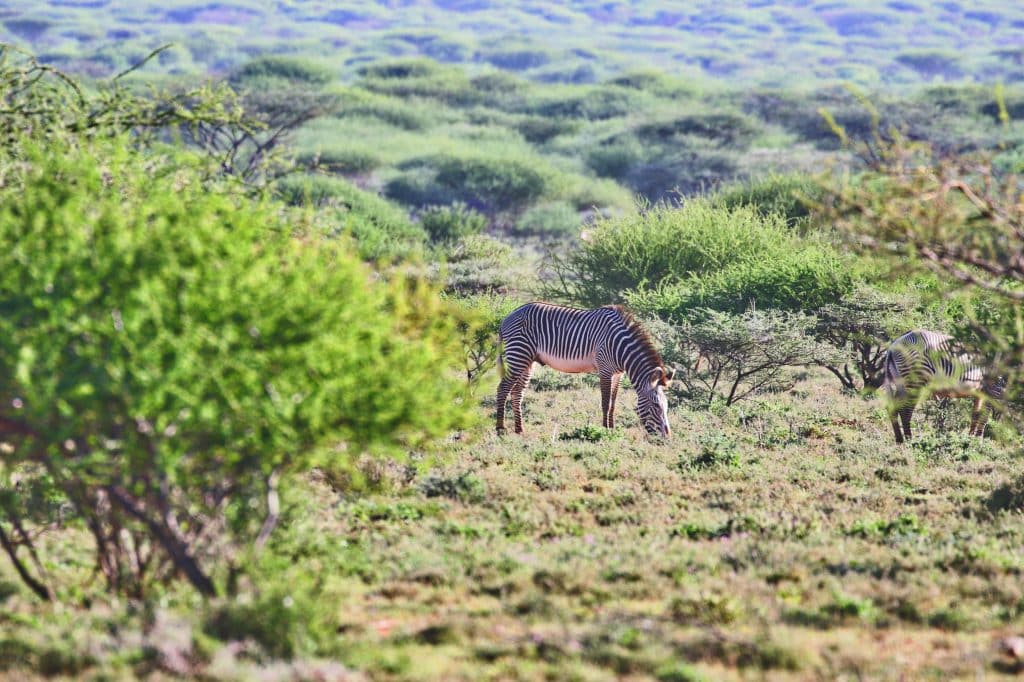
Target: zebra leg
point(606, 396)
point(611, 400)
point(503, 390)
point(979, 418)
point(895, 419)
point(905, 414)
point(517, 397)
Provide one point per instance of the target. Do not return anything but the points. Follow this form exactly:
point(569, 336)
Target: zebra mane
point(642, 335)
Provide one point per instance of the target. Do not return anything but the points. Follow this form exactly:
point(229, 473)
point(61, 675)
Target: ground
point(786, 537)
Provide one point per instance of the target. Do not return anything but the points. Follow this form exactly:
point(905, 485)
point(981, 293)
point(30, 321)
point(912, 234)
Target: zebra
point(607, 341)
point(923, 361)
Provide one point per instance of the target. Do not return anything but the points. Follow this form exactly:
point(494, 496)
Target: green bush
point(168, 352)
point(287, 68)
point(451, 223)
point(616, 157)
point(380, 229)
point(482, 264)
point(556, 219)
point(702, 255)
point(341, 161)
point(731, 129)
point(517, 59)
point(807, 278)
point(491, 184)
point(790, 196)
point(596, 103)
point(693, 166)
point(480, 317)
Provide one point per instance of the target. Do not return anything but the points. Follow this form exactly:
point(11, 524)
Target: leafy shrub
point(590, 434)
point(502, 184)
point(451, 223)
point(517, 59)
point(417, 186)
point(717, 450)
point(540, 129)
point(616, 157)
point(667, 261)
point(479, 264)
point(420, 78)
point(279, 66)
point(465, 487)
point(169, 353)
point(597, 103)
point(395, 111)
point(341, 161)
point(929, 64)
point(556, 219)
point(273, 621)
point(691, 167)
point(402, 69)
point(711, 609)
point(479, 319)
point(789, 196)
point(381, 230)
point(654, 82)
point(803, 280)
point(1007, 497)
point(730, 129)
point(861, 324)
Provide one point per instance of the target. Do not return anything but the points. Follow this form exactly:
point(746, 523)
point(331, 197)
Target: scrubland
point(250, 287)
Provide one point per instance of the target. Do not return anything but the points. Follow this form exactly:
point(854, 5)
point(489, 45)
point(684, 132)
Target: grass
point(564, 553)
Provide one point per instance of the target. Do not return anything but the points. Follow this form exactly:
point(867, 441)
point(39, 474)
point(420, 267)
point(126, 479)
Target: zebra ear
point(663, 375)
point(670, 374)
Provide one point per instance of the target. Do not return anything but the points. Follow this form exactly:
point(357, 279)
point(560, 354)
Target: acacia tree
point(861, 324)
point(732, 357)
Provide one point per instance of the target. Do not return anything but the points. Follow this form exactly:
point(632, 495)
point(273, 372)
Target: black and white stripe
point(606, 341)
point(927, 363)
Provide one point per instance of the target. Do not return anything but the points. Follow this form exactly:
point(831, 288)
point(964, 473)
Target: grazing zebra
point(935, 364)
point(607, 341)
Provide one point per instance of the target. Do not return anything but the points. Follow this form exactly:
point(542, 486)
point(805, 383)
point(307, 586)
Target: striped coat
point(925, 363)
point(607, 341)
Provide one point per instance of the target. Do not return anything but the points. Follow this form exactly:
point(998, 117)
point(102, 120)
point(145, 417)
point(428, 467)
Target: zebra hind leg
point(503, 390)
point(517, 397)
point(979, 418)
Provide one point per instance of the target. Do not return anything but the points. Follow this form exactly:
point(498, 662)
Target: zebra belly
point(572, 365)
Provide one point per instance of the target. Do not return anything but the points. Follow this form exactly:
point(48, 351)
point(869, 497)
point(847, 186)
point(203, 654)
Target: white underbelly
point(574, 365)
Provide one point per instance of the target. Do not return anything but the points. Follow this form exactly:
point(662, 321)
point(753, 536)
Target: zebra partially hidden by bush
point(928, 363)
point(607, 341)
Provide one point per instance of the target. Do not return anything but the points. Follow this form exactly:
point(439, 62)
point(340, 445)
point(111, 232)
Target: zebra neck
point(637, 369)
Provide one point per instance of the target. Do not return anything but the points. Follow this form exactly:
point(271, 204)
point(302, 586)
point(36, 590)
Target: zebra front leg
point(611, 400)
point(905, 414)
point(517, 398)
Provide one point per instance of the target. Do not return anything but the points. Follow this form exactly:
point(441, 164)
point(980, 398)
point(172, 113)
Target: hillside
point(755, 42)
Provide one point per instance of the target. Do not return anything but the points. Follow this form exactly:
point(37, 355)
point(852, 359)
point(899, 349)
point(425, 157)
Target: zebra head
point(651, 404)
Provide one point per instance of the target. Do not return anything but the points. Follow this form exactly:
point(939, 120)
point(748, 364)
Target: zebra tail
point(501, 355)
